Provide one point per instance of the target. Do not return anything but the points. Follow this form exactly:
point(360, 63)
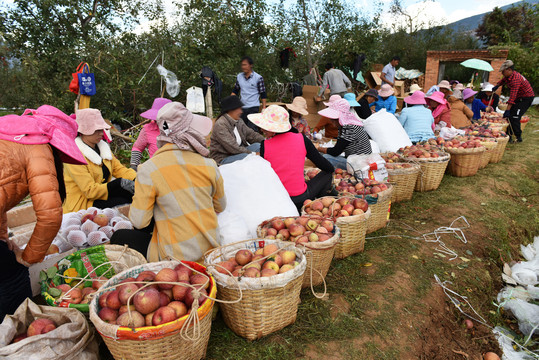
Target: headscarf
point(184, 129)
point(345, 115)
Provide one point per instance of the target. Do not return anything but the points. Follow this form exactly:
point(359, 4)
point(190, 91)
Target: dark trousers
point(14, 282)
point(138, 240)
point(517, 111)
point(120, 197)
point(248, 111)
point(317, 187)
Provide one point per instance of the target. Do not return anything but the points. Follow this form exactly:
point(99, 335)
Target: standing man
point(520, 99)
point(388, 72)
point(337, 81)
point(252, 88)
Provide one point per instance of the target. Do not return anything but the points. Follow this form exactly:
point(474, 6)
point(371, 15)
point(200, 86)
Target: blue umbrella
point(477, 64)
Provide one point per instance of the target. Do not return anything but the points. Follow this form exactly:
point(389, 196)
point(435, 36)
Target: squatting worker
point(330, 126)
point(33, 148)
point(231, 139)
point(251, 86)
point(388, 72)
point(91, 185)
point(520, 99)
point(336, 80)
point(286, 151)
point(180, 188)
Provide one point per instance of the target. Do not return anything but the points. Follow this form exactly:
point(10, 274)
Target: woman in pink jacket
point(148, 135)
point(441, 110)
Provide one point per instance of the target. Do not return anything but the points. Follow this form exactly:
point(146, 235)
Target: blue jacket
point(477, 107)
point(417, 122)
point(390, 104)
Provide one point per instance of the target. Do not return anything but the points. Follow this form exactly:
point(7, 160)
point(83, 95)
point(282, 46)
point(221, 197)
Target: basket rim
point(465, 151)
point(402, 171)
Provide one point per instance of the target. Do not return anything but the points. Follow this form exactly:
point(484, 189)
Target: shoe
point(519, 139)
point(511, 140)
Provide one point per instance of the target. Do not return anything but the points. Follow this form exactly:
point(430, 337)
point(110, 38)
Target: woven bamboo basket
point(464, 162)
point(167, 341)
point(499, 126)
point(431, 173)
point(403, 181)
point(485, 156)
point(497, 153)
point(318, 254)
point(267, 304)
point(380, 210)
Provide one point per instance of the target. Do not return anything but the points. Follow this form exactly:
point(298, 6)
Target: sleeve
point(515, 86)
point(237, 88)
point(252, 136)
point(82, 177)
point(321, 123)
point(324, 84)
point(219, 197)
point(306, 128)
point(120, 171)
point(468, 112)
point(377, 105)
point(262, 88)
point(446, 117)
point(43, 187)
point(136, 156)
point(141, 210)
point(392, 105)
point(228, 140)
point(312, 154)
point(141, 143)
point(339, 147)
point(403, 118)
point(346, 80)
point(503, 81)
point(262, 149)
point(495, 100)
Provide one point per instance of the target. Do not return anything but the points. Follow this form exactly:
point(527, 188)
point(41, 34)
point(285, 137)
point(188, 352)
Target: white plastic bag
point(525, 273)
point(449, 133)
point(374, 147)
point(527, 315)
point(254, 192)
point(371, 166)
point(386, 131)
point(195, 100)
point(232, 228)
point(172, 83)
point(509, 353)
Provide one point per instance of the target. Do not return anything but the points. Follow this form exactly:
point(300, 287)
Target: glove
point(128, 185)
point(495, 88)
point(507, 114)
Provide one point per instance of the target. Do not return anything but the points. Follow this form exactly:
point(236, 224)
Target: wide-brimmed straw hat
point(90, 120)
point(468, 93)
point(444, 84)
point(386, 90)
point(299, 105)
point(417, 98)
point(274, 118)
point(158, 103)
point(332, 99)
point(351, 98)
point(414, 88)
point(437, 96)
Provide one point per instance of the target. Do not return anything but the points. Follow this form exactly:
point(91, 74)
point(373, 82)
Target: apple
point(277, 224)
point(257, 259)
point(302, 220)
point(243, 257)
point(163, 315)
point(125, 308)
point(270, 249)
point(225, 267)
point(267, 272)
point(289, 221)
point(190, 297)
point(302, 240)
point(288, 256)
point(285, 268)
point(179, 307)
point(148, 319)
point(307, 202)
point(327, 201)
point(103, 300)
point(108, 315)
point(271, 265)
point(179, 291)
point(87, 291)
point(134, 319)
point(199, 280)
point(312, 225)
point(285, 233)
point(327, 224)
point(146, 276)
point(163, 299)
point(74, 296)
point(101, 220)
point(98, 282)
point(323, 237)
point(166, 275)
point(349, 208)
point(18, 338)
point(88, 216)
point(63, 288)
point(271, 232)
point(296, 229)
point(277, 258)
point(252, 272)
point(168, 293)
point(126, 291)
point(146, 301)
point(40, 326)
point(313, 237)
point(257, 265)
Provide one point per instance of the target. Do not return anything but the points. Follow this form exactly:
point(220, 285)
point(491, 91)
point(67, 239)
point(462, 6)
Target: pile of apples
point(395, 166)
point(300, 230)
point(421, 151)
point(92, 227)
point(342, 174)
point(77, 294)
point(333, 208)
point(391, 157)
point(36, 327)
point(311, 173)
point(367, 187)
point(464, 144)
point(484, 131)
point(155, 304)
point(264, 262)
point(493, 117)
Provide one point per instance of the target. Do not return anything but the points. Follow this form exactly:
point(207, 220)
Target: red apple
point(179, 307)
point(113, 300)
point(163, 315)
point(200, 280)
point(296, 229)
point(267, 272)
point(252, 272)
point(243, 257)
point(146, 301)
point(179, 291)
point(134, 319)
point(189, 297)
point(277, 224)
point(98, 282)
point(40, 326)
point(163, 299)
point(225, 267)
point(126, 291)
point(108, 315)
point(103, 300)
point(125, 308)
point(166, 275)
point(101, 220)
point(74, 296)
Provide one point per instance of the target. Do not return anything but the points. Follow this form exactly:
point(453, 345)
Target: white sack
point(232, 228)
point(386, 130)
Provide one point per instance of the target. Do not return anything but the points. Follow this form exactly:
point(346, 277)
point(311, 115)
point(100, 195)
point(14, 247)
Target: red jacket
point(519, 86)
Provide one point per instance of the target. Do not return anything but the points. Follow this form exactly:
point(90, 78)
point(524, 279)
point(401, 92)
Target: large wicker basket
point(318, 254)
point(464, 162)
point(403, 181)
point(268, 304)
point(432, 172)
point(485, 156)
point(380, 210)
point(497, 153)
point(157, 342)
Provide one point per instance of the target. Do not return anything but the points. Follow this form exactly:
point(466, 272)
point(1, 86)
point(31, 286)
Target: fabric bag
point(386, 131)
point(86, 81)
point(74, 85)
point(72, 339)
point(195, 100)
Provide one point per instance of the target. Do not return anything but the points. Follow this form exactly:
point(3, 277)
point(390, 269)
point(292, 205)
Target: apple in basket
point(132, 319)
point(163, 315)
point(40, 326)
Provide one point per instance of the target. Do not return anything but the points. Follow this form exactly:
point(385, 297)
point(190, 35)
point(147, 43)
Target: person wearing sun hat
point(416, 119)
point(297, 110)
point(386, 99)
point(441, 111)
point(180, 188)
point(33, 148)
point(351, 98)
point(92, 184)
point(475, 105)
point(352, 140)
point(147, 137)
point(366, 102)
point(457, 92)
point(461, 115)
point(286, 152)
point(330, 126)
point(445, 87)
point(413, 88)
point(487, 96)
point(231, 139)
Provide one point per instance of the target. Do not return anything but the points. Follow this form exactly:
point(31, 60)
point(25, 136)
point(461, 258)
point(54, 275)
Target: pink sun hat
point(332, 99)
point(274, 118)
point(158, 103)
point(334, 110)
point(90, 120)
point(437, 96)
point(417, 98)
point(385, 91)
point(468, 93)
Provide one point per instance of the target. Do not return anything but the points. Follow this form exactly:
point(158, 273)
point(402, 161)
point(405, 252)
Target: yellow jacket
point(85, 183)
